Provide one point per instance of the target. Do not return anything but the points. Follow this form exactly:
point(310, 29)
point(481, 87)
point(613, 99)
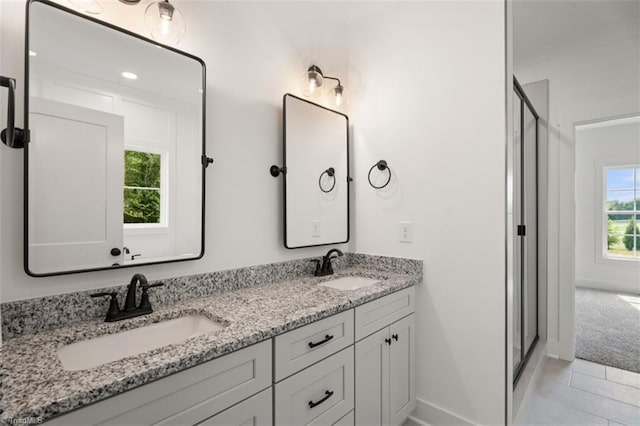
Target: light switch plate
point(405, 232)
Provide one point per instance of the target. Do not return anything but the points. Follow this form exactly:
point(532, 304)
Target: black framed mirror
point(115, 164)
point(316, 179)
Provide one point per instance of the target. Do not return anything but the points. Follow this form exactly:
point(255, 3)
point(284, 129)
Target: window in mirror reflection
point(143, 194)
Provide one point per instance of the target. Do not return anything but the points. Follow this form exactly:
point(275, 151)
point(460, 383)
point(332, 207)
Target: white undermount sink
point(350, 283)
point(112, 347)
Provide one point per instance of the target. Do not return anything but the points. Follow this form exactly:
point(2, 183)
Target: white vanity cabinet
point(184, 398)
point(385, 360)
point(384, 364)
point(353, 368)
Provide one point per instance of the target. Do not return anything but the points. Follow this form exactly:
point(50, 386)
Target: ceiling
point(538, 23)
point(100, 52)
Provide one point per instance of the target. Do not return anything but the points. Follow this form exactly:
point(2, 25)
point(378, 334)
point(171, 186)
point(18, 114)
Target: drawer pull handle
point(323, 341)
point(387, 341)
point(395, 337)
point(327, 394)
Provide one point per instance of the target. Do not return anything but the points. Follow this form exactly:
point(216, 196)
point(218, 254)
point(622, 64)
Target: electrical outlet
point(405, 232)
point(315, 229)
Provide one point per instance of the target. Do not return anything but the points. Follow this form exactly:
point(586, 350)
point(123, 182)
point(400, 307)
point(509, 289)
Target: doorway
point(607, 242)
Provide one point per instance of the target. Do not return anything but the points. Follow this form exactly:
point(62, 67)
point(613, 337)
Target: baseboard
point(426, 414)
point(632, 288)
point(553, 349)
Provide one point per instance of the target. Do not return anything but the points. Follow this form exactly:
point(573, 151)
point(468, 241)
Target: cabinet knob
point(116, 251)
point(388, 341)
point(395, 337)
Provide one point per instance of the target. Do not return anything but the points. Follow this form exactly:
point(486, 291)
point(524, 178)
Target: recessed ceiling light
point(32, 53)
point(129, 75)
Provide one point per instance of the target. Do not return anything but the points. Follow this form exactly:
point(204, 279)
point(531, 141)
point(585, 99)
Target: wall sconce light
point(165, 22)
point(313, 80)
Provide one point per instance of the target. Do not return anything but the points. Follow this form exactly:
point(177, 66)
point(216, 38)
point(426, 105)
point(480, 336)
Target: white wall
point(591, 77)
point(428, 95)
point(255, 52)
point(599, 145)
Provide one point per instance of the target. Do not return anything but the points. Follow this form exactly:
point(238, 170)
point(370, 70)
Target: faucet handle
point(144, 299)
point(317, 273)
point(145, 286)
point(114, 309)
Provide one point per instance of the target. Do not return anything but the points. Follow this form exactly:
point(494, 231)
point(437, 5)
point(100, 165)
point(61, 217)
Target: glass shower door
point(525, 230)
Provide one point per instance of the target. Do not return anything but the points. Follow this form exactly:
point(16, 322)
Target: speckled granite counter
point(36, 385)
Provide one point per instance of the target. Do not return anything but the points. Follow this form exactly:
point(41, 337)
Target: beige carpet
point(608, 328)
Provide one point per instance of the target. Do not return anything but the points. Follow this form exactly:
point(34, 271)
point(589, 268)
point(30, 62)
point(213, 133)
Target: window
point(143, 195)
point(622, 212)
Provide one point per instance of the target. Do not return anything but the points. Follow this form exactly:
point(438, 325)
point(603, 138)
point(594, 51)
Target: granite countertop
point(36, 385)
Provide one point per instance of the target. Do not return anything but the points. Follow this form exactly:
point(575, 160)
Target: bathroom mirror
point(316, 182)
point(114, 170)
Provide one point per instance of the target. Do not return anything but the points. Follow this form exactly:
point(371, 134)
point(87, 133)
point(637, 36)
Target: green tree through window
point(622, 211)
point(142, 191)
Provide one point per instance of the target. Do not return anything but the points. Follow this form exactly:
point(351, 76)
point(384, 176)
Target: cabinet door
point(372, 379)
point(255, 411)
point(401, 370)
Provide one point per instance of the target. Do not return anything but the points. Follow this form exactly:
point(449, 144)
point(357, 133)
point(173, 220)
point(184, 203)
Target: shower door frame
point(524, 356)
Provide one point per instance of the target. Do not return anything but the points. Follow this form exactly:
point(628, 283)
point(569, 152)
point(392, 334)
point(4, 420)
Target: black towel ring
point(381, 165)
point(331, 172)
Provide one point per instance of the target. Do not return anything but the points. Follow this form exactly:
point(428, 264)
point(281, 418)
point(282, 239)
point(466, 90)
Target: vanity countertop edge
point(34, 384)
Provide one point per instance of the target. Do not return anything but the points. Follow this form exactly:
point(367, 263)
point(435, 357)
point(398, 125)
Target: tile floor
point(584, 393)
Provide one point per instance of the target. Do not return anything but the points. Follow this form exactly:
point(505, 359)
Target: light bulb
point(339, 94)
point(338, 99)
point(165, 22)
point(312, 81)
point(164, 26)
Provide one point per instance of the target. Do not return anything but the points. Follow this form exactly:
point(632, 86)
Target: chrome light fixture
point(165, 22)
point(313, 80)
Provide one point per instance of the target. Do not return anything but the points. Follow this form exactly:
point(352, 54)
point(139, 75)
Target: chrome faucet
point(326, 268)
point(130, 310)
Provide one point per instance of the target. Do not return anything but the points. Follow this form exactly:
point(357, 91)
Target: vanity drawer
point(379, 313)
point(184, 398)
point(255, 411)
point(348, 420)
point(320, 395)
point(306, 345)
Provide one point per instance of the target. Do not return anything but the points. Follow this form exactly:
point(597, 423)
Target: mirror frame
point(284, 180)
point(205, 161)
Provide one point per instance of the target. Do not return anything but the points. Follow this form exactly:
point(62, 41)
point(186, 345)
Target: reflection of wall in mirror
point(316, 139)
point(151, 123)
